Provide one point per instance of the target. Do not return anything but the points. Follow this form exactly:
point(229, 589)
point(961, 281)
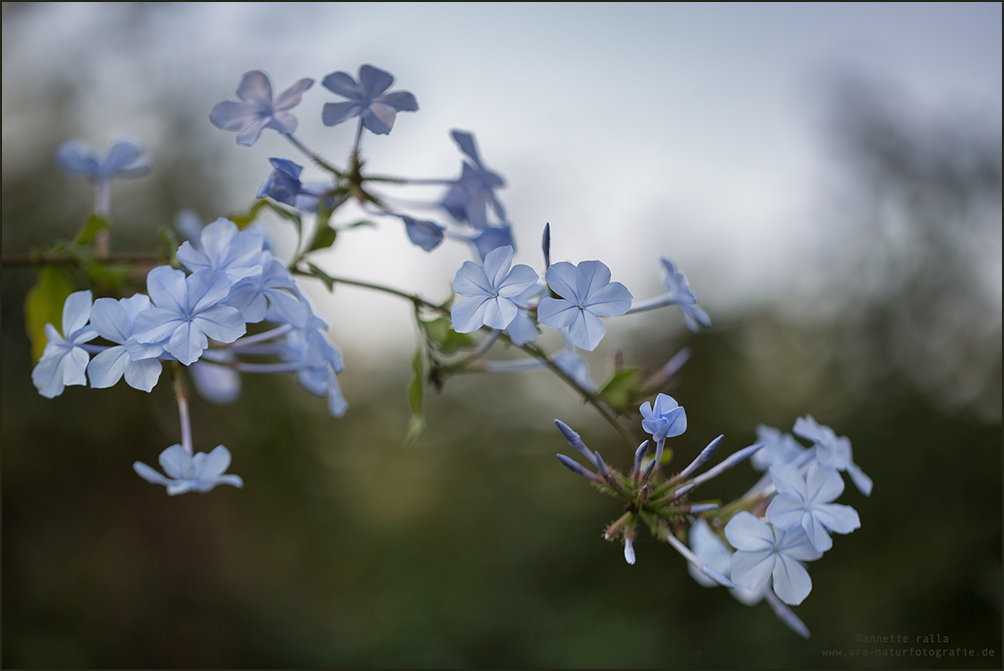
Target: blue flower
point(113, 320)
point(806, 501)
point(187, 473)
point(779, 448)
point(188, 311)
point(492, 237)
point(763, 551)
point(678, 294)
point(368, 100)
point(271, 294)
point(64, 360)
point(125, 158)
point(586, 295)
point(257, 111)
point(666, 420)
point(491, 289)
point(468, 199)
point(224, 250)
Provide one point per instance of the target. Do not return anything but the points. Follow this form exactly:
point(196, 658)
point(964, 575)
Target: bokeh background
point(829, 177)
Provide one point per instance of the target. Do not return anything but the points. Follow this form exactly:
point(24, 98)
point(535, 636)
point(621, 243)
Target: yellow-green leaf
point(44, 305)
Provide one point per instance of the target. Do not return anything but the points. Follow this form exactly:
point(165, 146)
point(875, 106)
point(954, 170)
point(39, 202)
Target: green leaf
point(324, 237)
point(92, 227)
point(619, 392)
point(442, 336)
point(108, 275)
point(44, 305)
point(416, 425)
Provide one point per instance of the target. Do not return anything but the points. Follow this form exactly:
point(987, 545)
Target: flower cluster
point(784, 521)
point(197, 319)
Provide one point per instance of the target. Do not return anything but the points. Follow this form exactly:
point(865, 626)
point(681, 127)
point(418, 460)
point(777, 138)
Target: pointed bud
point(575, 467)
point(575, 441)
point(734, 459)
point(701, 458)
point(601, 466)
point(639, 455)
point(545, 245)
point(699, 508)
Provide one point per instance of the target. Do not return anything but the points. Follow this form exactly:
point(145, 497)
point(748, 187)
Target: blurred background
point(829, 177)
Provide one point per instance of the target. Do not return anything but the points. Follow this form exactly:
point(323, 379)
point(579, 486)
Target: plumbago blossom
point(228, 306)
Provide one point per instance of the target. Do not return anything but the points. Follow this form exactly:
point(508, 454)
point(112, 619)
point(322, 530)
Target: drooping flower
point(779, 448)
point(283, 183)
point(113, 320)
point(586, 295)
point(258, 111)
point(491, 289)
point(368, 100)
point(469, 198)
point(666, 419)
point(426, 234)
point(678, 293)
point(807, 502)
point(491, 238)
point(833, 451)
point(188, 473)
point(63, 360)
point(188, 311)
point(763, 551)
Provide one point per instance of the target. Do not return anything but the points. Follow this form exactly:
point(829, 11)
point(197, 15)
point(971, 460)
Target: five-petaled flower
point(763, 551)
point(586, 295)
point(368, 100)
point(806, 502)
point(666, 419)
point(492, 289)
point(468, 199)
point(258, 111)
point(188, 473)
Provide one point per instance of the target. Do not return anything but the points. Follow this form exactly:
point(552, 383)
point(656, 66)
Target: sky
point(692, 131)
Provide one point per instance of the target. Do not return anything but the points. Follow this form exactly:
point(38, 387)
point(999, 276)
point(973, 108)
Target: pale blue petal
point(465, 141)
point(590, 276)
point(167, 288)
point(747, 532)
point(110, 320)
point(213, 464)
point(177, 463)
point(379, 118)
point(789, 481)
point(785, 512)
point(154, 326)
point(555, 312)
point(468, 315)
point(143, 374)
point(187, 343)
point(217, 384)
point(499, 312)
point(823, 484)
point(586, 330)
point(250, 135)
point(230, 115)
point(221, 322)
point(343, 84)
point(255, 89)
point(518, 280)
point(76, 312)
point(522, 329)
point(472, 281)
point(496, 266)
point(333, 114)
point(77, 158)
point(291, 96)
point(752, 569)
point(561, 278)
point(149, 474)
point(791, 581)
point(107, 367)
point(206, 289)
point(402, 101)
point(374, 81)
point(612, 300)
point(837, 517)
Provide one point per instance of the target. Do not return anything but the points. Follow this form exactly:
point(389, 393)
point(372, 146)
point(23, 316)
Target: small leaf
point(442, 336)
point(329, 281)
point(416, 425)
point(92, 227)
point(324, 237)
point(619, 392)
point(108, 275)
point(44, 305)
